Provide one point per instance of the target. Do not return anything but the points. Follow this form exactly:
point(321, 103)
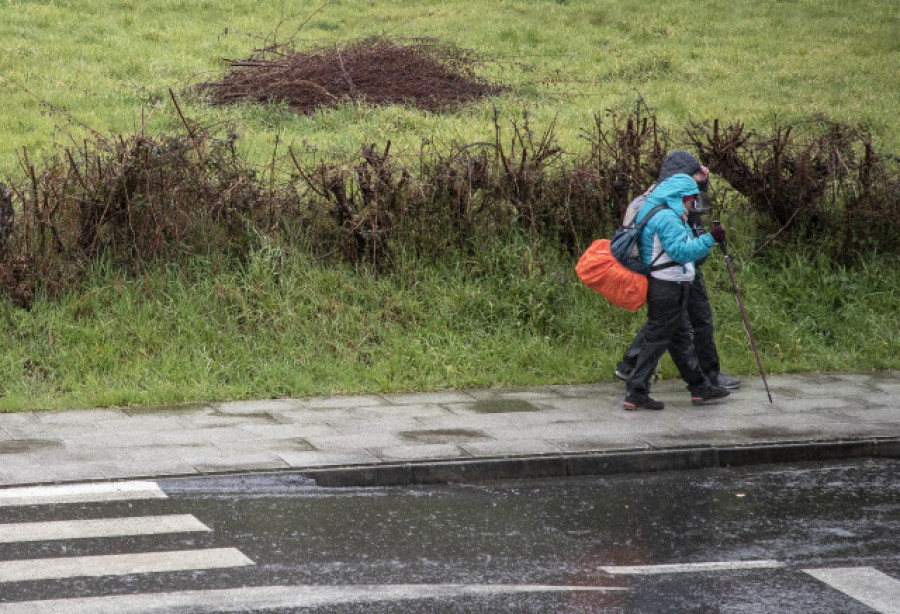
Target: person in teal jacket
point(699, 310)
point(669, 247)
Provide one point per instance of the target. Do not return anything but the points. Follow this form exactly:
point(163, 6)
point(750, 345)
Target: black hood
point(680, 161)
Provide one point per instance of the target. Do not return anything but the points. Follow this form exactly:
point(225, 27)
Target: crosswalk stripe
point(877, 590)
point(274, 597)
point(100, 527)
point(120, 564)
point(80, 493)
point(690, 567)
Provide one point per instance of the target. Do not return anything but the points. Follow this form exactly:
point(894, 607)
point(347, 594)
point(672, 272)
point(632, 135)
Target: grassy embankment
point(281, 325)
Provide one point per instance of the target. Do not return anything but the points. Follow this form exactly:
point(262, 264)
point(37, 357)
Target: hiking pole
point(737, 293)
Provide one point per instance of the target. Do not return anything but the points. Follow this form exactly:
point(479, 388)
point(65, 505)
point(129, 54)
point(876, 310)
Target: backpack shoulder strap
point(651, 213)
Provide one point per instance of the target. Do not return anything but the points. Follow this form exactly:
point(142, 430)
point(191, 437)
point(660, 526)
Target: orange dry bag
point(600, 271)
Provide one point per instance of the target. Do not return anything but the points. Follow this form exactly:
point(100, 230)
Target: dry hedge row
point(141, 200)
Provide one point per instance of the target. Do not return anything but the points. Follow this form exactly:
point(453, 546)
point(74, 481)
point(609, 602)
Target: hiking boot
point(708, 394)
point(622, 374)
point(724, 381)
point(639, 400)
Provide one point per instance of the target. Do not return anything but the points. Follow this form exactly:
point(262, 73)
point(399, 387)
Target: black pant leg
point(629, 358)
point(683, 352)
point(701, 317)
point(665, 310)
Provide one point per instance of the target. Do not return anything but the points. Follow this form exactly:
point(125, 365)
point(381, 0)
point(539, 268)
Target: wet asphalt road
point(609, 533)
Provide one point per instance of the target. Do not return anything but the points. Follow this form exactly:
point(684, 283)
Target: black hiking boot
point(622, 374)
point(708, 394)
point(639, 400)
point(723, 380)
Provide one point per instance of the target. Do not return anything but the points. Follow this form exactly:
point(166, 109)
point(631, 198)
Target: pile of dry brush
point(422, 73)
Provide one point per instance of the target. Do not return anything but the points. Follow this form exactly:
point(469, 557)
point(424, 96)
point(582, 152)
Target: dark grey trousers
point(701, 318)
point(668, 328)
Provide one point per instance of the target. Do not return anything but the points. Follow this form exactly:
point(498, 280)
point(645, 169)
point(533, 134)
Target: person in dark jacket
point(699, 309)
point(669, 248)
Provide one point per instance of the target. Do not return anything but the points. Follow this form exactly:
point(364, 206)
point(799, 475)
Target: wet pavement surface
point(750, 539)
point(462, 435)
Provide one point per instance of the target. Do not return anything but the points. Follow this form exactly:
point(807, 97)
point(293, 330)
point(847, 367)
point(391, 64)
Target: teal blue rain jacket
point(675, 236)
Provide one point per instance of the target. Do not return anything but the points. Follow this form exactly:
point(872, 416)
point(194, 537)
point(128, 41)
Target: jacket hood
point(681, 161)
point(670, 192)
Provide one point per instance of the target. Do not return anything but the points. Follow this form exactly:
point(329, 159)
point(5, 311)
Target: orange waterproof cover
point(600, 271)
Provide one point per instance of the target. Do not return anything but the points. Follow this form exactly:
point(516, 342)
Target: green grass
point(282, 325)
point(111, 64)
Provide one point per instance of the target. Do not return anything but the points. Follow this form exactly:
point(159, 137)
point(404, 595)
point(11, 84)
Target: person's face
point(701, 175)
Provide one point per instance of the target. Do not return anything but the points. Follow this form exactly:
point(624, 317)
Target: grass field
point(280, 324)
point(109, 65)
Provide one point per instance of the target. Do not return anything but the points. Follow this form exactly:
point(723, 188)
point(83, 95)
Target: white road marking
point(690, 567)
point(100, 527)
point(80, 493)
point(120, 564)
point(877, 590)
point(273, 597)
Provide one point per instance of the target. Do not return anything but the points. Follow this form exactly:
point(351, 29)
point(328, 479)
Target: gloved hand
point(718, 233)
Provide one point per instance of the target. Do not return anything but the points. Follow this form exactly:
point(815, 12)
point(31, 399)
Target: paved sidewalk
point(461, 435)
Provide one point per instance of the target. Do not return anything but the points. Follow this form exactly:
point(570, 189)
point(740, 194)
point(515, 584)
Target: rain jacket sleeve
point(672, 235)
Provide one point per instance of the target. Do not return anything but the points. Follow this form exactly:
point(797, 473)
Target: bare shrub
point(140, 200)
point(625, 156)
point(821, 180)
point(365, 200)
point(134, 200)
point(526, 164)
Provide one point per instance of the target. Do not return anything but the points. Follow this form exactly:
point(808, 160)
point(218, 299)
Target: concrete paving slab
point(579, 390)
point(854, 430)
point(446, 435)
point(264, 446)
point(579, 429)
point(408, 410)
point(18, 418)
point(324, 403)
point(514, 394)
point(127, 438)
point(81, 416)
point(227, 463)
point(152, 455)
point(429, 398)
point(253, 407)
point(146, 422)
point(256, 432)
point(299, 460)
point(161, 467)
point(493, 448)
point(27, 446)
point(60, 472)
point(521, 420)
point(355, 441)
point(357, 426)
point(607, 443)
point(886, 413)
point(211, 419)
point(420, 453)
